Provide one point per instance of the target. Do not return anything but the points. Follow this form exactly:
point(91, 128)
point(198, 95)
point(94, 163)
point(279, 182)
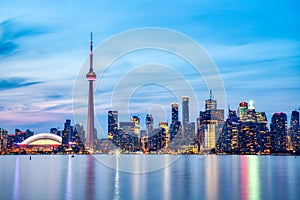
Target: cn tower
point(90, 77)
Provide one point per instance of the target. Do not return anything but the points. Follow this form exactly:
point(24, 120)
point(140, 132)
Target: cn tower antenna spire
point(91, 53)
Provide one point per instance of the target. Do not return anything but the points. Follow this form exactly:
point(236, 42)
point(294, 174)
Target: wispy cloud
point(16, 82)
point(12, 30)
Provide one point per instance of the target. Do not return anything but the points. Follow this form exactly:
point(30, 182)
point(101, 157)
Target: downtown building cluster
point(247, 132)
point(244, 131)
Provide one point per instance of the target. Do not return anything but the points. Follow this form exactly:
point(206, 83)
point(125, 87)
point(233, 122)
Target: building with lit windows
point(278, 131)
point(136, 121)
point(3, 140)
point(228, 140)
point(149, 124)
point(209, 125)
point(174, 112)
point(112, 124)
point(264, 137)
point(242, 109)
point(185, 110)
point(294, 132)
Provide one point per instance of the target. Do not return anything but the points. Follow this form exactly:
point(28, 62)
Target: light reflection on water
point(117, 184)
point(213, 177)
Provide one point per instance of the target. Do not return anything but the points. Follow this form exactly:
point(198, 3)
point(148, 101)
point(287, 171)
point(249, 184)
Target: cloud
point(16, 82)
point(54, 96)
point(11, 31)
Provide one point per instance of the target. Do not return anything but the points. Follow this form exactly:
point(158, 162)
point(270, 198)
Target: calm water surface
point(189, 177)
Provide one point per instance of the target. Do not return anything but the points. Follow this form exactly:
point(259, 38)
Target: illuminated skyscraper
point(210, 124)
point(278, 131)
point(242, 109)
point(112, 123)
point(174, 112)
point(136, 121)
point(211, 104)
point(295, 118)
point(294, 132)
point(185, 110)
point(165, 134)
point(264, 138)
point(149, 124)
point(91, 77)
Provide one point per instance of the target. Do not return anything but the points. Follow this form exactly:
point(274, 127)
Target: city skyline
point(256, 58)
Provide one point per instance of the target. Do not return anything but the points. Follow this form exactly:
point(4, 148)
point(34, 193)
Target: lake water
point(175, 177)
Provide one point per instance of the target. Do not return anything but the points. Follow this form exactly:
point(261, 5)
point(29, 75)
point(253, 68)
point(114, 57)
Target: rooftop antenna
point(91, 53)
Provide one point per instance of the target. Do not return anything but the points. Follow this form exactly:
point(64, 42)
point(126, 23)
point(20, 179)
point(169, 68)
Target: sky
point(44, 47)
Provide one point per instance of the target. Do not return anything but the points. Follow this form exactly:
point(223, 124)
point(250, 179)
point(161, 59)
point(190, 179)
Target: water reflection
point(244, 177)
point(90, 178)
point(135, 185)
point(211, 177)
point(117, 183)
point(17, 179)
point(166, 180)
point(68, 194)
point(215, 177)
point(254, 178)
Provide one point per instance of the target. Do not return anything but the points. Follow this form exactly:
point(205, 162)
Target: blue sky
point(43, 44)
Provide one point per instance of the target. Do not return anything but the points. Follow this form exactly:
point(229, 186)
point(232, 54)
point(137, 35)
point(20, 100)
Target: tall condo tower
point(185, 110)
point(90, 77)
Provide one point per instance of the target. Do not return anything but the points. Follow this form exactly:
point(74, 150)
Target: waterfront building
point(242, 109)
point(228, 140)
point(149, 124)
point(185, 111)
point(278, 131)
point(264, 137)
point(136, 130)
point(174, 112)
point(294, 132)
point(3, 140)
point(112, 123)
point(209, 125)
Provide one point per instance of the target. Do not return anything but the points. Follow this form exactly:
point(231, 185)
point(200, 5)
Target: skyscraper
point(264, 138)
point(91, 77)
point(211, 104)
point(294, 132)
point(278, 131)
point(112, 123)
point(295, 118)
point(67, 133)
point(210, 124)
point(242, 109)
point(185, 110)
point(174, 112)
point(149, 124)
point(136, 121)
